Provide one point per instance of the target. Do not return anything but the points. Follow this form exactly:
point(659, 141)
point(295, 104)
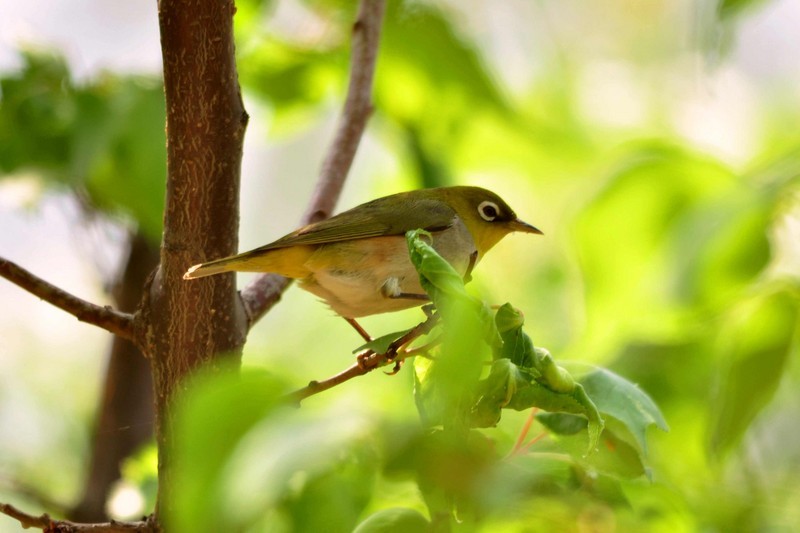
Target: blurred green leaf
point(722, 246)
point(450, 468)
point(294, 79)
point(625, 235)
point(334, 499)
point(211, 418)
point(104, 138)
point(613, 457)
point(447, 64)
point(730, 8)
point(394, 520)
point(36, 114)
point(126, 170)
point(245, 457)
point(758, 338)
point(443, 386)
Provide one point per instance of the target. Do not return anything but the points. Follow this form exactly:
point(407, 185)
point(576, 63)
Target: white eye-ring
point(488, 210)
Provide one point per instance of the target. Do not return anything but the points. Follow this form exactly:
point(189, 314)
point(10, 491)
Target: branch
point(370, 360)
point(105, 317)
point(44, 522)
point(265, 291)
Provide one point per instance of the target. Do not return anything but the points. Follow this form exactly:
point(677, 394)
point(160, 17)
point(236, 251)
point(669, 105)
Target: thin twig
point(105, 317)
point(265, 290)
point(370, 360)
point(44, 522)
point(367, 362)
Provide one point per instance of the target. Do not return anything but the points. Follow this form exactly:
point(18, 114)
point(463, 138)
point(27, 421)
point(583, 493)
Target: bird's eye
point(488, 210)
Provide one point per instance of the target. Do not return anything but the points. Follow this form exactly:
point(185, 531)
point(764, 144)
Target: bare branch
point(44, 522)
point(105, 317)
point(265, 290)
point(370, 360)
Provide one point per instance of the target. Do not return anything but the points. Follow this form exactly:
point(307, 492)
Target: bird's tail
point(289, 262)
point(226, 264)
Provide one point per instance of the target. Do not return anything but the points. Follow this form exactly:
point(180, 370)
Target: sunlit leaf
point(617, 397)
point(758, 341)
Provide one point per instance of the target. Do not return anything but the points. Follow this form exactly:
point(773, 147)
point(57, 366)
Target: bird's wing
point(373, 219)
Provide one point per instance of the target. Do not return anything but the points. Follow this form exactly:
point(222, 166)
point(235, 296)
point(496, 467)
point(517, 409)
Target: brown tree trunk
point(185, 325)
point(125, 420)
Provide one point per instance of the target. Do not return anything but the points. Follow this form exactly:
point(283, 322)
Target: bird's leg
point(361, 331)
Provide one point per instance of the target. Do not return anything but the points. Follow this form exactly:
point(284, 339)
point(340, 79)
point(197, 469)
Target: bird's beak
point(524, 227)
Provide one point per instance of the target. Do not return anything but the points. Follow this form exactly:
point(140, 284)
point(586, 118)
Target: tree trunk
point(185, 325)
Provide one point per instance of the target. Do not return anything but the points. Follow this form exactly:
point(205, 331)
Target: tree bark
point(188, 324)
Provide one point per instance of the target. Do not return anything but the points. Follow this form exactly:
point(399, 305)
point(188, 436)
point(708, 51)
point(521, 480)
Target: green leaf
point(382, 343)
point(511, 387)
point(617, 397)
point(759, 337)
point(211, 418)
point(562, 423)
point(444, 386)
point(394, 520)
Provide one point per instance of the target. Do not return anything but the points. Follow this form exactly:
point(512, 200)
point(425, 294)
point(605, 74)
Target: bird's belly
point(352, 276)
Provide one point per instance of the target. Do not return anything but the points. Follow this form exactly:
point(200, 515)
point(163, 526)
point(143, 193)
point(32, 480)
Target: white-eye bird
point(358, 260)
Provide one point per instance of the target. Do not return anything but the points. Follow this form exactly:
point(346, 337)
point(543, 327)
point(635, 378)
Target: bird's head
point(487, 216)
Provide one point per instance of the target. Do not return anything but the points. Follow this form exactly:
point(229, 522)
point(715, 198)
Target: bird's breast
point(353, 276)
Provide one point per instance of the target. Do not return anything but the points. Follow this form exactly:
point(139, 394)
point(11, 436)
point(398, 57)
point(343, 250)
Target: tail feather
point(208, 269)
point(289, 262)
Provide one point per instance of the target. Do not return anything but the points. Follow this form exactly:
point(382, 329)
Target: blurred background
point(654, 143)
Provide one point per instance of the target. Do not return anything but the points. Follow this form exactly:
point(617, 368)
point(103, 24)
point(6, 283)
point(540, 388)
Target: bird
point(358, 261)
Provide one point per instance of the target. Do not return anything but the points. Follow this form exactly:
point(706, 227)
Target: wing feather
point(373, 219)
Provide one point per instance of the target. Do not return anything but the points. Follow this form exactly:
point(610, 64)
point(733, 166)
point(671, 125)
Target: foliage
point(259, 461)
point(103, 140)
point(667, 261)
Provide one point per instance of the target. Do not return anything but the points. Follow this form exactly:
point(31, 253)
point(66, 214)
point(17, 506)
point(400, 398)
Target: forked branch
point(265, 290)
point(118, 323)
